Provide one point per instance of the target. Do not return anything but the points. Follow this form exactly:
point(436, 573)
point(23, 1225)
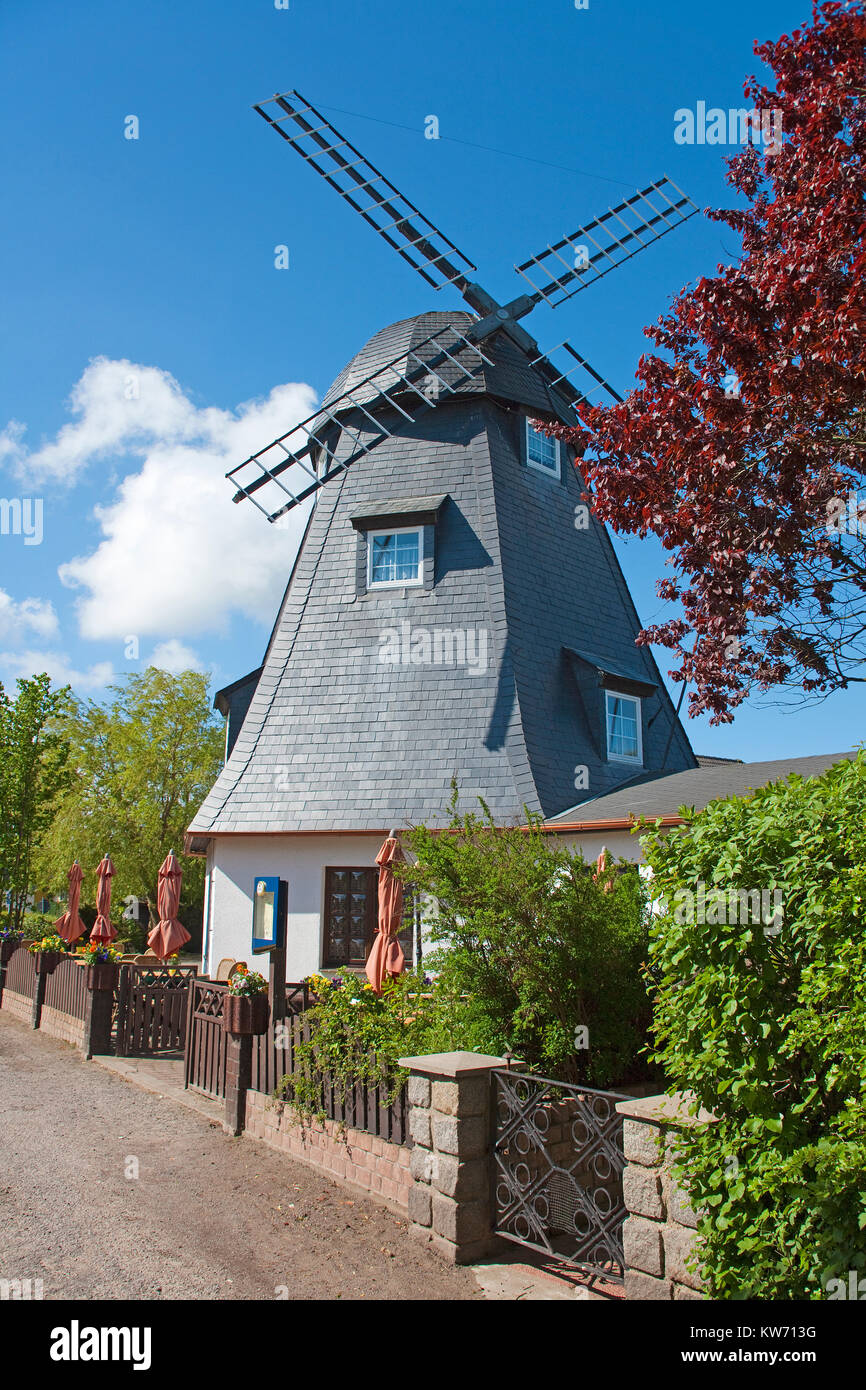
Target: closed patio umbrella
point(386, 956)
point(169, 934)
point(70, 925)
point(601, 871)
point(102, 928)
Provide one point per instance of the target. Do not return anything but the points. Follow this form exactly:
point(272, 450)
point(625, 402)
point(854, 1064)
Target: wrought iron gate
point(558, 1163)
point(151, 1008)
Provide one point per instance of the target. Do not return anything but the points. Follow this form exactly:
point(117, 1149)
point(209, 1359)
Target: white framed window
point(623, 724)
point(395, 557)
point(542, 451)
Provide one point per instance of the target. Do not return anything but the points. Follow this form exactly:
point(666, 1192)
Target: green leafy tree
point(34, 753)
point(143, 761)
point(548, 957)
point(765, 1022)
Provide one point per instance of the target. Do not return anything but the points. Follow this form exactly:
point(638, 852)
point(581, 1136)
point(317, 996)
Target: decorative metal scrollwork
point(559, 1159)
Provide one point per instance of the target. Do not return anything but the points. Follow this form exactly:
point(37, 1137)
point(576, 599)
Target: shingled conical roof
point(510, 376)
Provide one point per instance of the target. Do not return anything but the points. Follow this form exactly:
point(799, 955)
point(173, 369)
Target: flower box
point(246, 1013)
point(8, 945)
point(101, 976)
point(48, 961)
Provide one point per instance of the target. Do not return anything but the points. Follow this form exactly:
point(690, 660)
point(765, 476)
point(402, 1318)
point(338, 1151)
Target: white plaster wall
point(301, 860)
point(620, 844)
point(234, 862)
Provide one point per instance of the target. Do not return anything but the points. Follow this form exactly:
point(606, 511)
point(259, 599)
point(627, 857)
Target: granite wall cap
point(453, 1064)
point(675, 1109)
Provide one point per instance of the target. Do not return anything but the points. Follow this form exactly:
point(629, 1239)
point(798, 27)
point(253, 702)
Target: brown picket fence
point(66, 988)
point(21, 972)
point(152, 1008)
point(205, 1068)
point(275, 1055)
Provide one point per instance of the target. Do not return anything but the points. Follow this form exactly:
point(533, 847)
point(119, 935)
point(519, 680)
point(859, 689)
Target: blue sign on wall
point(270, 901)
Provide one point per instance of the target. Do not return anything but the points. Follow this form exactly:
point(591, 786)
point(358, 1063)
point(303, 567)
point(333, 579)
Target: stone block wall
point(20, 1006)
point(450, 1201)
point(91, 1034)
point(361, 1161)
point(61, 1025)
point(659, 1234)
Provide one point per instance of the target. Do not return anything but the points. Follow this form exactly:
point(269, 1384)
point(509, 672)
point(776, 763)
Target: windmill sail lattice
point(398, 392)
point(602, 245)
point(412, 235)
point(420, 379)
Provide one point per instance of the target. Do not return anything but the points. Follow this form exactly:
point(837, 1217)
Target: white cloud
point(174, 657)
point(122, 408)
point(21, 621)
point(58, 667)
point(176, 557)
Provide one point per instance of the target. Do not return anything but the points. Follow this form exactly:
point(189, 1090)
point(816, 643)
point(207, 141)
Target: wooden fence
point(167, 1009)
point(152, 1008)
point(205, 1039)
point(275, 1055)
point(21, 972)
point(363, 1107)
point(66, 988)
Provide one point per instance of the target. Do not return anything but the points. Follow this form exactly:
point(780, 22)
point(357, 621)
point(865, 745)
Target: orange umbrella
point(601, 870)
point(70, 925)
point(102, 928)
point(386, 956)
point(169, 934)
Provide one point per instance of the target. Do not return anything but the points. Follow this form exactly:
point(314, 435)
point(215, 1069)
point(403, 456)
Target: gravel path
point(208, 1217)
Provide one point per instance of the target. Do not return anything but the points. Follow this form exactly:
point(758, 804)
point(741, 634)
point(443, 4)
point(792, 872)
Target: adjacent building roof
point(661, 797)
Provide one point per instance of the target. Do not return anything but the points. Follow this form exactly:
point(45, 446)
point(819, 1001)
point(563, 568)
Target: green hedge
point(765, 1021)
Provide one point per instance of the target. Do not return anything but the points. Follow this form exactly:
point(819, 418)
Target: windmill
point(449, 616)
point(452, 356)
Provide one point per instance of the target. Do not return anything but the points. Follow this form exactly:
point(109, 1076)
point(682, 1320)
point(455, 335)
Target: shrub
point(766, 1023)
point(540, 947)
point(355, 1035)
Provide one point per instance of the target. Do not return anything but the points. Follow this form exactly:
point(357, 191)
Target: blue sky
point(151, 342)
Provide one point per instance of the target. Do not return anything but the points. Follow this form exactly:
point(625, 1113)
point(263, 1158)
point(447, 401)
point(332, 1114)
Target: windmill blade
point(366, 190)
point(562, 379)
point(564, 269)
point(413, 382)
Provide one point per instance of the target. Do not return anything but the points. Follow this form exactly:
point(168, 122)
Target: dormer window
point(542, 451)
point(623, 723)
point(395, 558)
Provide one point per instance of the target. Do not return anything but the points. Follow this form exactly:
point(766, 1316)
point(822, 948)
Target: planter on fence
point(8, 944)
point(246, 1013)
point(101, 976)
point(48, 961)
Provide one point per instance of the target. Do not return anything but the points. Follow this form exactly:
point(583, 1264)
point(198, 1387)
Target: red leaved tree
point(743, 450)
